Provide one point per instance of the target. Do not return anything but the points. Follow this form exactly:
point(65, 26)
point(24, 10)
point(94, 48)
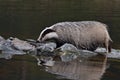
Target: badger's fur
point(84, 35)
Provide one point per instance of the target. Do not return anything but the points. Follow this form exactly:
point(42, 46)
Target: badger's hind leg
point(108, 46)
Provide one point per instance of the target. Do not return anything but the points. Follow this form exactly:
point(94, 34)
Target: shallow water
point(87, 66)
point(26, 18)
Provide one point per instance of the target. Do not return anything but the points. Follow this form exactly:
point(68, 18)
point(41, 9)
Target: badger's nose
point(37, 41)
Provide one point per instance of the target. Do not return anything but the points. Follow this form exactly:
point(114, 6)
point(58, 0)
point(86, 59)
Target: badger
point(86, 35)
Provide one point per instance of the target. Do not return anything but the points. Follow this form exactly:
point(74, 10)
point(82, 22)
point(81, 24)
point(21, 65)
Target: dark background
point(26, 18)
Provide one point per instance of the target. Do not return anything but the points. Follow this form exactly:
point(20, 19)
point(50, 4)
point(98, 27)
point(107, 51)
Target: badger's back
point(85, 34)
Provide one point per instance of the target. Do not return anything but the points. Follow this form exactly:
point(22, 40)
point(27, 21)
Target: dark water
point(26, 18)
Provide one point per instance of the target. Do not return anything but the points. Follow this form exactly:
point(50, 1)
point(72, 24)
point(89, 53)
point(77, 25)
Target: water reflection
point(22, 68)
point(80, 69)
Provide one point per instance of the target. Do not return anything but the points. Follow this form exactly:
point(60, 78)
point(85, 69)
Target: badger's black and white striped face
point(48, 34)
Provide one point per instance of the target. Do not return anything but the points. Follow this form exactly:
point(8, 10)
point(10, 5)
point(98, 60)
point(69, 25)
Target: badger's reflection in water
point(80, 69)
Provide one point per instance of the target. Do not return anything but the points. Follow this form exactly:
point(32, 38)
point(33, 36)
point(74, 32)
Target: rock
point(46, 48)
point(34, 42)
point(100, 50)
point(2, 40)
point(8, 48)
point(22, 45)
point(68, 47)
point(87, 54)
point(115, 53)
point(67, 52)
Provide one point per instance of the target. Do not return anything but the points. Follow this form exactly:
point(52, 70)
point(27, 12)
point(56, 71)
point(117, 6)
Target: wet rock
point(67, 52)
point(100, 50)
point(8, 48)
point(67, 47)
point(115, 53)
point(31, 40)
point(87, 54)
point(22, 45)
point(34, 42)
point(50, 46)
point(2, 40)
point(43, 53)
point(46, 48)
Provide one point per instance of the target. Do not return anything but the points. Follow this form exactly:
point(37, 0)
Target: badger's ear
point(45, 32)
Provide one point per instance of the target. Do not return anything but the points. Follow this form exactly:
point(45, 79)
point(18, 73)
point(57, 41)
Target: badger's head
point(48, 34)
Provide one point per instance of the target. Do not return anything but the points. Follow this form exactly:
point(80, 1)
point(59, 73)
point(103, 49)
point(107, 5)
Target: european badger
point(86, 35)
